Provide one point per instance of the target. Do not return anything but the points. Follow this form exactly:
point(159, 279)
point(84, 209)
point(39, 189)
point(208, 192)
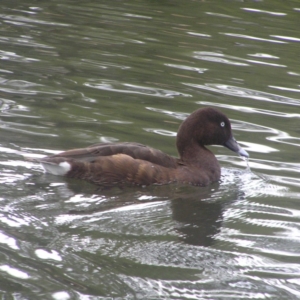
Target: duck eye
point(222, 124)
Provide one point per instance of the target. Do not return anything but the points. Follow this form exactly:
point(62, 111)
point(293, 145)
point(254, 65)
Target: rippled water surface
point(76, 73)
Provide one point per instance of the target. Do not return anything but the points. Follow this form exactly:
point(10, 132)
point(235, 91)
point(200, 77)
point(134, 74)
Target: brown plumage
point(110, 164)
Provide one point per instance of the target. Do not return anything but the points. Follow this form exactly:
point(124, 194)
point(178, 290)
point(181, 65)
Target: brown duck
point(120, 164)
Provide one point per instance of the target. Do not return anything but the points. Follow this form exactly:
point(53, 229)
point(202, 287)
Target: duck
point(133, 164)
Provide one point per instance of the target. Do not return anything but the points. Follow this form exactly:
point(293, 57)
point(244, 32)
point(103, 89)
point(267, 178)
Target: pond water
point(77, 73)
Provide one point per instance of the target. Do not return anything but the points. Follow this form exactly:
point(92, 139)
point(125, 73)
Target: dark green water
point(76, 73)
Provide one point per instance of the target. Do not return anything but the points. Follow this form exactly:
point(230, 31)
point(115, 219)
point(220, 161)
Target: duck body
point(122, 164)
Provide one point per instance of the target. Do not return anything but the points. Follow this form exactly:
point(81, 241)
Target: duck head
point(206, 126)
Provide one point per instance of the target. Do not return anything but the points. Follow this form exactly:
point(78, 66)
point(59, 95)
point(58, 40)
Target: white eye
point(222, 124)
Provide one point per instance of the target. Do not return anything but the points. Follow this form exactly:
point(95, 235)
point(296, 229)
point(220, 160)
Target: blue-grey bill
point(235, 147)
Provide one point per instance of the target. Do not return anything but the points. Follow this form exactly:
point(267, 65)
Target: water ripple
point(232, 60)
point(273, 13)
point(12, 56)
point(161, 131)
point(187, 68)
point(289, 38)
point(24, 41)
point(28, 20)
point(238, 91)
point(177, 115)
point(219, 58)
point(284, 88)
point(9, 241)
point(254, 110)
point(221, 15)
point(244, 36)
point(15, 272)
point(104, 65)
point(134, 89)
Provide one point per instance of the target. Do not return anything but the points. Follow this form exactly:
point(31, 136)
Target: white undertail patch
point(57, 169)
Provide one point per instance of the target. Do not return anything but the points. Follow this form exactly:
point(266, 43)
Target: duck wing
point(134, 150)
point(110, 164)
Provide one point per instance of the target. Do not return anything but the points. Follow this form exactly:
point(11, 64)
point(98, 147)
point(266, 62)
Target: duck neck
point(197, 155)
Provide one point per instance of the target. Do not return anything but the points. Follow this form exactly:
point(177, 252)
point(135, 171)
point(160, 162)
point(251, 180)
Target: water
point(74, 74)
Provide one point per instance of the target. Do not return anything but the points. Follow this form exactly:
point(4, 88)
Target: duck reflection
point(198, 221)
point(197, 212)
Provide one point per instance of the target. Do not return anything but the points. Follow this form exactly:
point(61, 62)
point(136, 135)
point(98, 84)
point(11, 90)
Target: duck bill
point(235, 147)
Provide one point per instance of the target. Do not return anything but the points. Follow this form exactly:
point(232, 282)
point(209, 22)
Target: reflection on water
point(134, 89)
point(246, 93)
point(74, 75)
